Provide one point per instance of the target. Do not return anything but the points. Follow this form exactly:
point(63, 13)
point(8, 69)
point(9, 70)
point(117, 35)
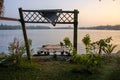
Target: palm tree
point(1, 7)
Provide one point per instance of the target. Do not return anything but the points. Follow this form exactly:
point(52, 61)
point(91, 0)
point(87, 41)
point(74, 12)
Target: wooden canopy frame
point(34, 16)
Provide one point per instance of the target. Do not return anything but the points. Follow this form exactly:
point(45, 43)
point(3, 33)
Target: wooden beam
point(8, 19)
point(75, 29)
point(48, 11)
point(49, 22)
point(25, 35)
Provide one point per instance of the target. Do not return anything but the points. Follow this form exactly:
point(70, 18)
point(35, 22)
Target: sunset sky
point(91, 12)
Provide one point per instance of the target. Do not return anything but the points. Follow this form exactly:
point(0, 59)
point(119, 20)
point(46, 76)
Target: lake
point(55, 36)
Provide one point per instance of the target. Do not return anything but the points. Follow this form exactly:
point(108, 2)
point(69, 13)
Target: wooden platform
point(47, 49)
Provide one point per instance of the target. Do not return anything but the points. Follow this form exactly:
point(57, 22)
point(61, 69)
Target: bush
point(87, 42)
point(92, 59)
point(89, 61)
point(68, 44)
point(17, 49)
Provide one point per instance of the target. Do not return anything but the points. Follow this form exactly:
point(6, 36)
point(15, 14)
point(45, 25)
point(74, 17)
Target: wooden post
point(25, 34)
point(75, 28)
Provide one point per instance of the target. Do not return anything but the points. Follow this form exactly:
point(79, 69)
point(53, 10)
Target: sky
point(91, 12)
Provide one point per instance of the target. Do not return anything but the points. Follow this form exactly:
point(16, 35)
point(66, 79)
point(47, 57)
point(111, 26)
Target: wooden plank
point(54, 48)
point(8, 18)
point(49, 22)
point(48, 11)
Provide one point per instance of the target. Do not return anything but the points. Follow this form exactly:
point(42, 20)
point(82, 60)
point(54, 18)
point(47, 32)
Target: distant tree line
point(9, 27)
point(107, 27)
point(17, 27)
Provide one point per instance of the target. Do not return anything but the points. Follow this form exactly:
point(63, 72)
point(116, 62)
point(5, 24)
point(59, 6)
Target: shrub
point(17, 49)
point(102, 45)
point(89, 61)
point(68, 44)
point(93, 58)
point(87, 42)
point(117, 57)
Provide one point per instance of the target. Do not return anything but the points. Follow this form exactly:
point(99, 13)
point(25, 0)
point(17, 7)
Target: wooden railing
point(9, 19)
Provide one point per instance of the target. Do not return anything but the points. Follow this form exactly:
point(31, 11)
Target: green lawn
point(57, 70)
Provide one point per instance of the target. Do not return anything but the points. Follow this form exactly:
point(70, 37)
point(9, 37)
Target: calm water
point(42, 37)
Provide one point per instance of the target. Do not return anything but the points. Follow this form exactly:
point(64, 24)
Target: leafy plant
point(117, 57)
point(109, 49)
point(89, 62)
point(17, 49)
point(68, 44)
point(86, 40)
point(93, 58)
point(102, 43)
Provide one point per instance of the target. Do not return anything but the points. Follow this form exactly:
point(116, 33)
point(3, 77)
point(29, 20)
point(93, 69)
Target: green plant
point(117, 57)
point(68, 44)
point(109, 49)
point(87, 41)
point(89, 62)
point(101, 44)
point(17, 49)
point(2, 55)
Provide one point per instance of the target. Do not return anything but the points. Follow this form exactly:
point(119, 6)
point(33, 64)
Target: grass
point(57, 70)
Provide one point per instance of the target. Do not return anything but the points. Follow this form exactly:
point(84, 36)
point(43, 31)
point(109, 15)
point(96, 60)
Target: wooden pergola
point(43, 16)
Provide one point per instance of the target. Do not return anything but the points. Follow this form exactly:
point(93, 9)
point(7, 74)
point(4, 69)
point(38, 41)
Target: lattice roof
point(35, 16)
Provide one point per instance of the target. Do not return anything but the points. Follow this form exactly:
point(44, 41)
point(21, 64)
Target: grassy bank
point(57, 70)
point(87, 66)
